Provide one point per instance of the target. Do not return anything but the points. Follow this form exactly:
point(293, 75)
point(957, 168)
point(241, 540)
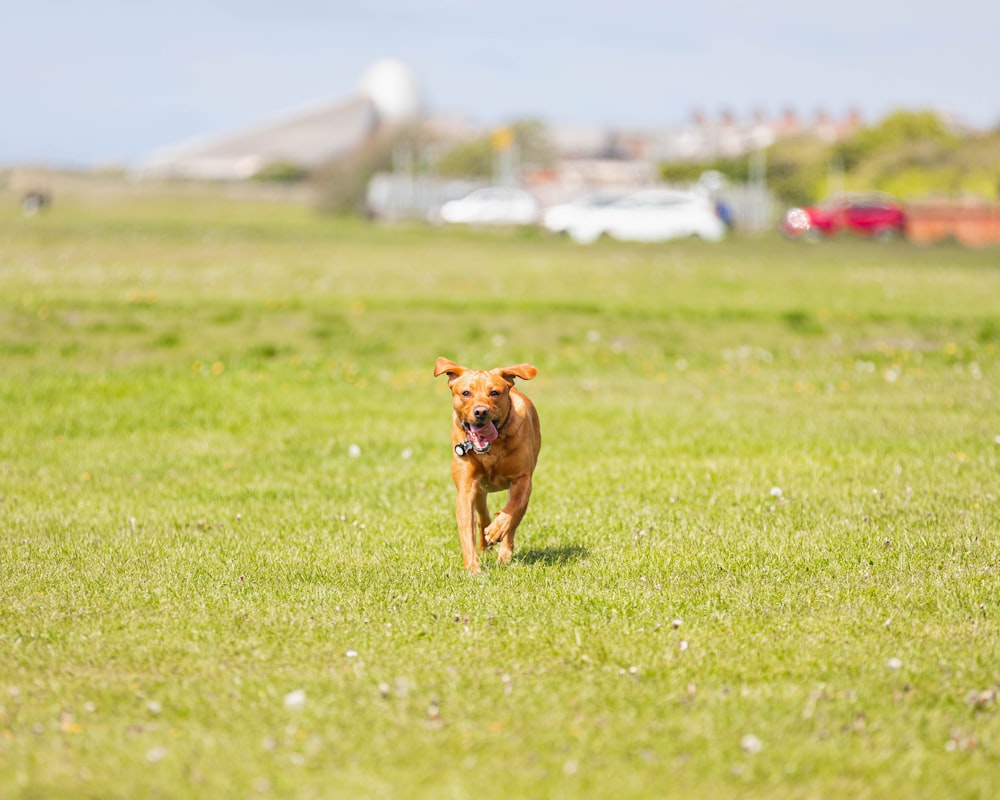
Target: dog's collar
point(503, 424)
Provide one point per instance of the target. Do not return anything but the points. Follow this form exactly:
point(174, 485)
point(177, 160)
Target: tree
point(899, 129)
point(344, 183)
point(475, 158)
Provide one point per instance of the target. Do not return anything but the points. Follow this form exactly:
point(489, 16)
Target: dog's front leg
point(465, 515)
point(502, 529)
point(483, 515)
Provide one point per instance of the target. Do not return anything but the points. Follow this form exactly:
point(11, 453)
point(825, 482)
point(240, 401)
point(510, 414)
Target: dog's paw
point(497, 529)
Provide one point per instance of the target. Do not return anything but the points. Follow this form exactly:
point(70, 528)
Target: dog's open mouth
point(481, 435)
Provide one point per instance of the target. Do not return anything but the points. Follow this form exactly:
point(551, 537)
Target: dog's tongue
point(483, 435)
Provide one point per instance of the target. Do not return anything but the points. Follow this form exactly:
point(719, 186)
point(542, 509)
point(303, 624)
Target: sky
point(86, 83)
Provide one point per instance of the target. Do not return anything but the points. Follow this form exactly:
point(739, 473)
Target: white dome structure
point(309, 138)
point(392, 87)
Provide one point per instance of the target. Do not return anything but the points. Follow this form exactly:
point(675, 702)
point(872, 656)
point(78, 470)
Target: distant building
point(701, 139)
point(590, 157)
point(388, 94)
point(586, 157)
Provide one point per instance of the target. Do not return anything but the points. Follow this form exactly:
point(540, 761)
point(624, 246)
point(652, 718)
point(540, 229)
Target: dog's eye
point(466, 393)
point(494, 393)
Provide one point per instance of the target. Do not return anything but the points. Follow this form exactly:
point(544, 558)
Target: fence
point(395, 196)
point(970, 224)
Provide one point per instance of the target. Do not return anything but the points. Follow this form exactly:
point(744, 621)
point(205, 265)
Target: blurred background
point(812, 120)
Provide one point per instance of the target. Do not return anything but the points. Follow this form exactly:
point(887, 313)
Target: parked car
point(652, 215)
point(493, 205)
point(559, 218)
point(873, 215)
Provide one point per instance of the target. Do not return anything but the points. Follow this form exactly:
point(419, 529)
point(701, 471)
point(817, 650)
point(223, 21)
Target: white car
point(494, 205)
point(559, 218)
point(652, 215)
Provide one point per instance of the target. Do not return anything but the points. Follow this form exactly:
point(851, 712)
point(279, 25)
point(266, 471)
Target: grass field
point(761, 559)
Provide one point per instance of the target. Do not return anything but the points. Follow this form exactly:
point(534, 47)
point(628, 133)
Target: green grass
point(761, 559)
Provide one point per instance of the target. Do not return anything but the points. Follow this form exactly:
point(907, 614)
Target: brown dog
point(496, 437)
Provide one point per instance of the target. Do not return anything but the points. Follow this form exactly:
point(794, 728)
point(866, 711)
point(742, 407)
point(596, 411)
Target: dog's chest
point(494, 478)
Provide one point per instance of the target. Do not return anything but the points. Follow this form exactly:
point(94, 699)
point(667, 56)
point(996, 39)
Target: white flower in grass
point(894, 663)
point(776, 491)
point(751, 744)
point(295, 699)
point(156, 754)
point(354, 451)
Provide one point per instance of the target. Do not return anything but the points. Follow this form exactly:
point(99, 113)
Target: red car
point(876, 216)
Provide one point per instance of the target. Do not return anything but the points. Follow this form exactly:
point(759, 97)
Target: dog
point(496, 439)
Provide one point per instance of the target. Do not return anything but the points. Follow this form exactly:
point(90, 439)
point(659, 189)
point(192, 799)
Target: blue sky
point(86, 82)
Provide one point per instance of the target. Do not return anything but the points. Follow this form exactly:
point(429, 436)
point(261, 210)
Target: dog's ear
point(443, 365)
point(523, 371)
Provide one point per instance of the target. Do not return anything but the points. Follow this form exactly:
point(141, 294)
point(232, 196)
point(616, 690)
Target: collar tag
point(466, 447)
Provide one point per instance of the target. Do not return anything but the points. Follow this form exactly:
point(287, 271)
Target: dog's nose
point(480, 412)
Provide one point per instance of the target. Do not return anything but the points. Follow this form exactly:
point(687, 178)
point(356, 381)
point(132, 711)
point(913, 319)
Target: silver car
point(493, 205)
point(652, 215)
point(559, 218)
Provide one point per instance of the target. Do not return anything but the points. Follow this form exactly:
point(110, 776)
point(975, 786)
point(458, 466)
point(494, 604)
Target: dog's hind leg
point(505, 548)
point(501, 530)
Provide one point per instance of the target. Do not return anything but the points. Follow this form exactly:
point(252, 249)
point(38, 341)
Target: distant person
point(725, 213)
point(34, 201)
